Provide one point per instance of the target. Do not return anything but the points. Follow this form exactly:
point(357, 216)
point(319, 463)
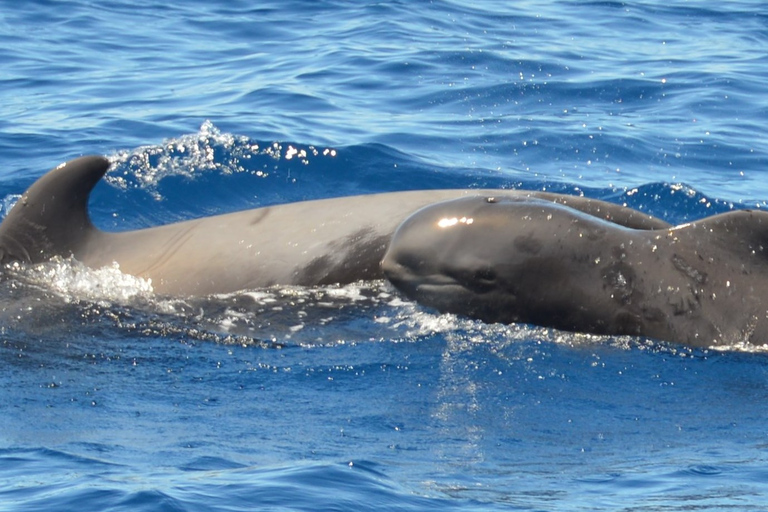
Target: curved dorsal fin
point(51, 218)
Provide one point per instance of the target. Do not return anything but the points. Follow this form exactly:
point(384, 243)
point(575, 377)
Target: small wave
point(205, 151)
point(675, 202)
point(81, 483)
point(706, 470)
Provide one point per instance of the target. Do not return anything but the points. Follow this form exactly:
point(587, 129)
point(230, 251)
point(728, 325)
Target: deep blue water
point(351, 398)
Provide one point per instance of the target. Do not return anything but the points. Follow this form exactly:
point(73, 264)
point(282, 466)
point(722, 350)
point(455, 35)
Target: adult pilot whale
point(513, 259)
point(326, 241)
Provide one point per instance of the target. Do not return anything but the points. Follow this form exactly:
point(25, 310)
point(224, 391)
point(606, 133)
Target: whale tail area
point(51, 218)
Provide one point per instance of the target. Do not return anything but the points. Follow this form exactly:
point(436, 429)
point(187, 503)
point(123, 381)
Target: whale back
point(51, 217)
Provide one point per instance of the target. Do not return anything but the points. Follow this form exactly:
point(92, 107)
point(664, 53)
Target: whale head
point(503, 259)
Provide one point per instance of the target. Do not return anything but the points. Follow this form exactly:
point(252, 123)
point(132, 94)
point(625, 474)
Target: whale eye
point(481, 279)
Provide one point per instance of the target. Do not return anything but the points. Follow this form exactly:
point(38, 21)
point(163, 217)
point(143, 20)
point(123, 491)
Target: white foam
point(7, 203)
point(742, 347)
point(73, 281)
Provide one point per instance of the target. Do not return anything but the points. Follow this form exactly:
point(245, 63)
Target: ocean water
point(352, 398)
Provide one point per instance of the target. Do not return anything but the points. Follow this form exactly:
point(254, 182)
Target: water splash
point(72, 281)
point(209, 150)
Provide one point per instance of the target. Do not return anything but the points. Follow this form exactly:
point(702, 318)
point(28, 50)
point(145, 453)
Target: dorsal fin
point(742, 230)
point(51, 218)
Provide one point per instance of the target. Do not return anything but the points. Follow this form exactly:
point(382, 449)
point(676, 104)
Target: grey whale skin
point(307, 243)
point(511, 259)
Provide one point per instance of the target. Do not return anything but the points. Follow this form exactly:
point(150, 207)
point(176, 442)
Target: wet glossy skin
point(532, 261)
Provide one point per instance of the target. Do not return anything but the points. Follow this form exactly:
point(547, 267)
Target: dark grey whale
point(513, 259)
point(339, 240)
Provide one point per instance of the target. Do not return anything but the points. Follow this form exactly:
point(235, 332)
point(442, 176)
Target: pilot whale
point(325, 241)
point(522, 259)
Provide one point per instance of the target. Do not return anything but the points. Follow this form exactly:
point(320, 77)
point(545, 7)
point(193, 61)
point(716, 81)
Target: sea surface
point(352, 398)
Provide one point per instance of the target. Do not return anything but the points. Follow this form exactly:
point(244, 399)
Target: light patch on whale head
point(448, 222)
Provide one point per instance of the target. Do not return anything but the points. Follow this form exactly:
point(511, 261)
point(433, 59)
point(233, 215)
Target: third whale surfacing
point(521, 259)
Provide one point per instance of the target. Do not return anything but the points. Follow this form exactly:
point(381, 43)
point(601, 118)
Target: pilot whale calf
point(326, 241)
point(522, 259)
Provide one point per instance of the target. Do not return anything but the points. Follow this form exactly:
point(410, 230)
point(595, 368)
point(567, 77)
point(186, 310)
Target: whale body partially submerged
point(512, 259)
point(554, 260)
point(308, 243)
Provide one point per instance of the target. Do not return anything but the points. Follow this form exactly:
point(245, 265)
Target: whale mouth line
point(439, 284)
point(441, 288)
point(430, 288)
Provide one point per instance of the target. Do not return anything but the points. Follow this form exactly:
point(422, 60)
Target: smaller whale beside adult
point(512, 259)
point(555, 260)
